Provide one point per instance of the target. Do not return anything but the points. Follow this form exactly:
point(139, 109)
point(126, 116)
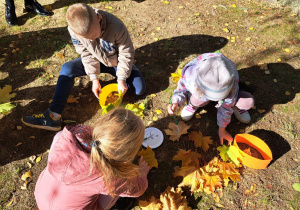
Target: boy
point(105, 46)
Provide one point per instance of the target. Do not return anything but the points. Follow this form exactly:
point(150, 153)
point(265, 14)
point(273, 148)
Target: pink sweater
point(66, 183)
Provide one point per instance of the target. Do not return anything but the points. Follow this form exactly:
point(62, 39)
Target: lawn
point(261, 39)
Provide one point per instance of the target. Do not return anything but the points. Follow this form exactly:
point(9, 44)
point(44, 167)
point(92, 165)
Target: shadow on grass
point(278, 145)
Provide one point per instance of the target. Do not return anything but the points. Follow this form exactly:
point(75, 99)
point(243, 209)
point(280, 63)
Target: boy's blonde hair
point(118, 136)
point(80, 18)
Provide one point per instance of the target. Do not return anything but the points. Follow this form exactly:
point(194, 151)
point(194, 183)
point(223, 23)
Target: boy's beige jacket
point(113, 48)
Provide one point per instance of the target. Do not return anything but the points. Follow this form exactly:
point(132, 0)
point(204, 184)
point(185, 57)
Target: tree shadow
point(159, 59)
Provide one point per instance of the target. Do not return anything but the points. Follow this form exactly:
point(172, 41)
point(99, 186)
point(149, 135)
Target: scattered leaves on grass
point(230, 153)
point(71, 99)
point(200, 140)
point(5, 95)
point(176, 76)
point(138, 109)
point(175, 132)
point(296, 186)
point(10, 202)
point(149, 156)
point(38, 159)
point(26, 175)
point(6, 107)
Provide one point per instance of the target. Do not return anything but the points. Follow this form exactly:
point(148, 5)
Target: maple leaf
point(153, 204)
point(230, 153)
point(188, 158)
point(200, 140)
point(149, 157)
point(5, 95)
point(176, 76)
point(175, 132)
point(228, 170)
point(193, 180)
point(173, 200)
point(213, 182)
point(6, 107)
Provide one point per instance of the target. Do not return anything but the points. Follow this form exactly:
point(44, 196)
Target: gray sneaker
point(43, 121)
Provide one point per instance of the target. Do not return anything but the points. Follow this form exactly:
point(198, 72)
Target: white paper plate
point(153, 137)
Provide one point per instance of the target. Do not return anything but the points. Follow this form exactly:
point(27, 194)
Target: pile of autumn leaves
point(210, 178)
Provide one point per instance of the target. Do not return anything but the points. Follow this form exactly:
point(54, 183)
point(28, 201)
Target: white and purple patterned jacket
point(187, 86)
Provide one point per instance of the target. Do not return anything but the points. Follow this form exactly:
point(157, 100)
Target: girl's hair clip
point(94, 143)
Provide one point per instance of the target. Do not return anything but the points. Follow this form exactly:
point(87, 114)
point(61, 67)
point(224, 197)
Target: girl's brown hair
point(118, 136)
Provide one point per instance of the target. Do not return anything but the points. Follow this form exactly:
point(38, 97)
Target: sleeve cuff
point(93, 77)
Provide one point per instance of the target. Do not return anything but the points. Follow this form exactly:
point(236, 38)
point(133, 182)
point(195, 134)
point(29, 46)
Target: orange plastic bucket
point(257, 144)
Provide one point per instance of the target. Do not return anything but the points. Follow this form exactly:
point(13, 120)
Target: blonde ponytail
point(117, 138)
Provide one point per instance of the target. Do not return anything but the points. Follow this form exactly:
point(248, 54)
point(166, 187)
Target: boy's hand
point(122, 86)
point(223, 134)
point(145, 167)
point(172, 108)
point(96, 88)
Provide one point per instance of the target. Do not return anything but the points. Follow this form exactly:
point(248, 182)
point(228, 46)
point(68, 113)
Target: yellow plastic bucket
point(103, 97)
point(257, 144)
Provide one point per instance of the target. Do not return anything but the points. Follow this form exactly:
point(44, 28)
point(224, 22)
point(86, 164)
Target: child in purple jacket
point(212, 77)
point(92, 168)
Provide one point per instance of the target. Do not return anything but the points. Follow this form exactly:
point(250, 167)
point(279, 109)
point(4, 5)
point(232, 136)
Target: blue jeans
point(75, 68)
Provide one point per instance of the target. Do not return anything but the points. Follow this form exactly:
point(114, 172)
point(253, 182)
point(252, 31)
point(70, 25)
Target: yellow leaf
point(226, 30)
point(155, 118)
point(180, 7)
point(200, 140)
point(287, 50)
point(166, 2)
point(172, 199)
point(26, 175)
point(247, 83)
point(153, 204)
point(251, 28)
point(5, 95)
point(214, 6)
point(188, 158)
point(213, 182)
point(193, 179)
point(18, 144)
point(149, 157)
point(158, 28)
point(176, 131)
point(261, 111)
point(233, 5)
point(158, 111)
point(179, 19)
point(155, 39)
point(38, 159)
point(287, 93)
point(198, 116)
point(152, 95)
point(10, 202)
point(61, 56)
point(72, 99)
point(248, 39)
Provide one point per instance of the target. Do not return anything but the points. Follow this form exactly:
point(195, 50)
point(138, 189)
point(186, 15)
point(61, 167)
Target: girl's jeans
point(75, 68)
